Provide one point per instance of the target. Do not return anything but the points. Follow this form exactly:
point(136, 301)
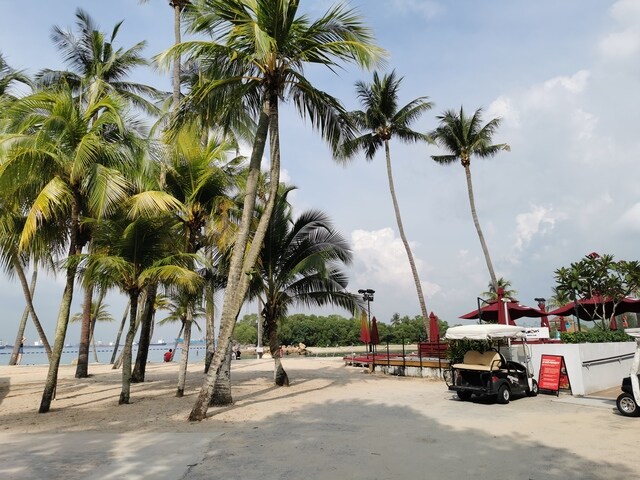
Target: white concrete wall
point(588, 379)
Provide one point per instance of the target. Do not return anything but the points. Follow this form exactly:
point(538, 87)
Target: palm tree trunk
point(94, 319)
point(184, 356)
point(23, 321)
point(177, 10)
point(29, 299)
point(232, 296)
point(175, 345)
point(125, 394)
point(405, 242)
point(82, 368)
point(280, 376)
point(222, 388)
point(145, 334)
point(237, 290)
point(58, 345)
point(117, 343)
point(474, 214)
point(63, 313)
point(210, 306)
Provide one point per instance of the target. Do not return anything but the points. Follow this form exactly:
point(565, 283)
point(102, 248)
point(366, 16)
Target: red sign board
point(552, 368)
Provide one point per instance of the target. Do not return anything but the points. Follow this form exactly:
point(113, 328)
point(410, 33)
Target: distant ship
point(158, 342)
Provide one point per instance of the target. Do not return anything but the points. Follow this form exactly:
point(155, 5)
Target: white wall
point(587, 379)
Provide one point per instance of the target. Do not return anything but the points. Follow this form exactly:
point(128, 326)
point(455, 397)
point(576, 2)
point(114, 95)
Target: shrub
point(595, 336)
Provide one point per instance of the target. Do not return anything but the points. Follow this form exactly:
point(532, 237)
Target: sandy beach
point(332, 422)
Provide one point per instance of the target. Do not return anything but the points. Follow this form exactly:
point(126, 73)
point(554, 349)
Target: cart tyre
point(464, 395)
point(504, 395)
point(533, 391)
point(627, 405)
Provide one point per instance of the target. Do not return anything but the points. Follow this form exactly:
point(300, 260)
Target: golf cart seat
point(488, 361)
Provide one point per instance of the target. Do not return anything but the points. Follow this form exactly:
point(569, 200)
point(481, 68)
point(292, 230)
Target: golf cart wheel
point(464, 395)
point(504, 395)
point(533, 391)
point(627, 405)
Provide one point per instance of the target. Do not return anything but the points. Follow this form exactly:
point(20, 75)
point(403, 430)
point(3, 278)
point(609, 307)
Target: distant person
point(168, 356)
point(238, 354)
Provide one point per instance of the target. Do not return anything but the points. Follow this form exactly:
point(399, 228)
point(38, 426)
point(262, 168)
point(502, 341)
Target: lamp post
point(367, 296)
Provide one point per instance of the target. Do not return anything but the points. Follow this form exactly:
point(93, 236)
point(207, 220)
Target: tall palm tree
point(97, 65)
point(492, 292)
point(259, 49)
point(300, 264)
point(464, 137)
point(62, 161)
point(381, 120)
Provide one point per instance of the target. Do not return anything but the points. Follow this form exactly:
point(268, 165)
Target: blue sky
point(563, 76)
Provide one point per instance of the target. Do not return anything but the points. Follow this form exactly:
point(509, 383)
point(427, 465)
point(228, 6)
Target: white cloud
point(623, 43)
point(538, 221)
point(626, 11)
point(382, 260)
point(630, 219)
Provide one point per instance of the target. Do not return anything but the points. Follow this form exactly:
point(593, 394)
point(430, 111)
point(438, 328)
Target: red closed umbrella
point(503, 311)
point(375, 338)
point(365, 336)
point(434, 331)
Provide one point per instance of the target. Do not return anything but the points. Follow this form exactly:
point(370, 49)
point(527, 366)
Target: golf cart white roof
point(484, 332)
point(634, 332)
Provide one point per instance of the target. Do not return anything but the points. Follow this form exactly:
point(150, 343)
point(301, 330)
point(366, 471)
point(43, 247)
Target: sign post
point(553, 374)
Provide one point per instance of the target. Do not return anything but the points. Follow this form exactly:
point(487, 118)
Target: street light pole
point(367, 296)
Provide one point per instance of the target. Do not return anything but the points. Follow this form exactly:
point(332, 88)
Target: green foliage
point(599, 275)
point(332, 330)
point(246, 331)
point(457, 348)
point(595, 335)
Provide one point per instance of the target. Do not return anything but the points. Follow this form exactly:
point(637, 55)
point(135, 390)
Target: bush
point(595, 336)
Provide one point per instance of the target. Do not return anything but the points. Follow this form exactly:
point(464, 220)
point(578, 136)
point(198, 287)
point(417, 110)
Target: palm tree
point(62, 161)
point(140, 254)
point(382, 120)
point(464, 137)
point(99, 313)
point(97, 65)
point(492, 292)
point(258, 51)
point(9, 77)
point(300, 264)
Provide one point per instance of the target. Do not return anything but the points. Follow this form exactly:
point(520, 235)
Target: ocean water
point(37, 355)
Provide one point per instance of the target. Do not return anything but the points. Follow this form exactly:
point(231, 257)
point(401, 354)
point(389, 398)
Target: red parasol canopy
point(375, 338)
point(434, 330)
point(593, 308)
point(364, 329)
point(503, 311)
point(544, 320)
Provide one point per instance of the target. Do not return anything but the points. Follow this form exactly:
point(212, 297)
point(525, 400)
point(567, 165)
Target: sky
point(564, 78)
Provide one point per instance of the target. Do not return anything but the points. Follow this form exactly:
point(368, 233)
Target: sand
point(333, 421)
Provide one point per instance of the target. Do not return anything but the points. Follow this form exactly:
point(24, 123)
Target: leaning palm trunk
point(58, 345)
point(23, 322)
point(82, 368)
point(118, 363)
point(280, 376)
point(145, 334)
point(125, 394)
point(412, 263)
point(29, 299)
point(474, 214)
point(222, 388)
point(117, 344)
point(237, 283)
point(184, 355)
point(209, 328)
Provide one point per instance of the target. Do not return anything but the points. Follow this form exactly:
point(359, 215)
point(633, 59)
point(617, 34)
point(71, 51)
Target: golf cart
point(628, 400)
point(490, 373)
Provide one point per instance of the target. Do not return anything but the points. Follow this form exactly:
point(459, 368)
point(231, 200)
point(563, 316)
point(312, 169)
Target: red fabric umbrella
point(514, 310)
point(563, 324)
point(595, 307)
point(613, 325)
point(375, 338)
point(364, 329)
point(434, 330)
